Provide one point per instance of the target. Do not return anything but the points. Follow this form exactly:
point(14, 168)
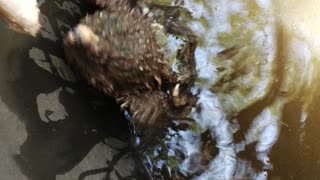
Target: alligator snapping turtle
point(116, 51)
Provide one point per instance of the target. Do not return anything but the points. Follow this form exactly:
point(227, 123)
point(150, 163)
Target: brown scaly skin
point(115, 50)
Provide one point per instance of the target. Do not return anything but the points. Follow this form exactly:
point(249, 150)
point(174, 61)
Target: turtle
point(116, 51)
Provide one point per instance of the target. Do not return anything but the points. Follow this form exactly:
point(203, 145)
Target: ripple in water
point(253, 57)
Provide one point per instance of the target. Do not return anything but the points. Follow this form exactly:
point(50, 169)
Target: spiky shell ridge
point(126, 58)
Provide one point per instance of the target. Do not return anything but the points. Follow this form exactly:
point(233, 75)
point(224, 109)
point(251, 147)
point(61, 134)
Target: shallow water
point(258, 67)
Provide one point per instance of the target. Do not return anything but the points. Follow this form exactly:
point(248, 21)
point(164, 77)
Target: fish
point(21, 15)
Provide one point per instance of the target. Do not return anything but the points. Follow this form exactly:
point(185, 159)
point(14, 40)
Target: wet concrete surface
point(52, 126)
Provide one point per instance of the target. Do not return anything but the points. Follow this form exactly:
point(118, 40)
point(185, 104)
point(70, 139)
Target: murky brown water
point(258, 65)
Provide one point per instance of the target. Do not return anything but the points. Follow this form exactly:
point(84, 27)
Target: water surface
point(258, 67)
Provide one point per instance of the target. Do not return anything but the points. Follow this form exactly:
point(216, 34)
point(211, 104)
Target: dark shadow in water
point(286, 154)
point(108, 170)
point(296, 152)
point(57, 146)
point(248, 115)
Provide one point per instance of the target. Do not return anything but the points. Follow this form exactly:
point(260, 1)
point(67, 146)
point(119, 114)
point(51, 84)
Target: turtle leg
point(187, 72)
point(172, 19)
point(148, 110)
